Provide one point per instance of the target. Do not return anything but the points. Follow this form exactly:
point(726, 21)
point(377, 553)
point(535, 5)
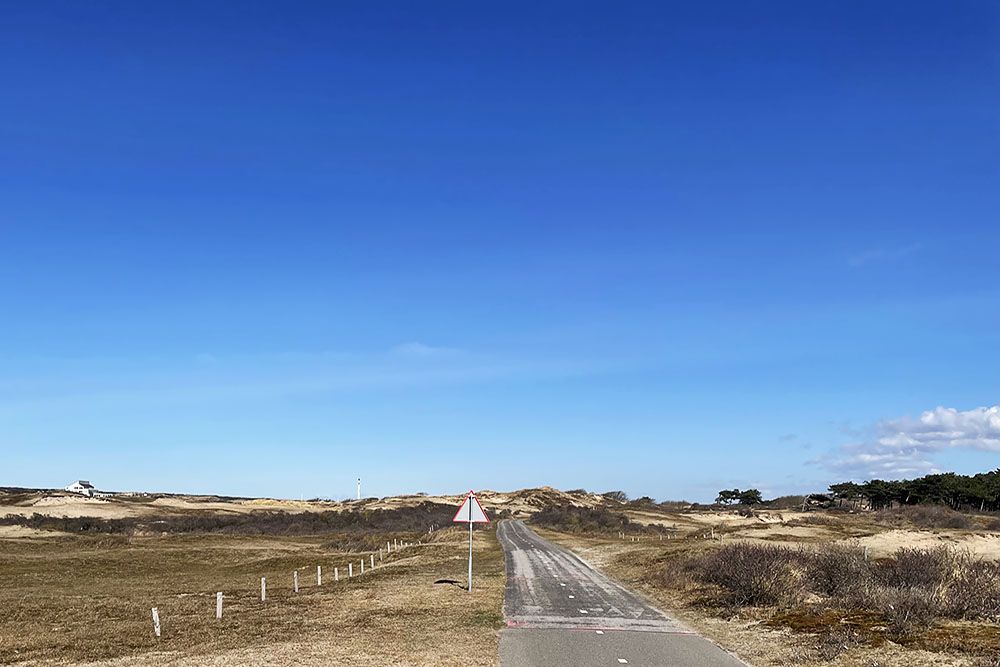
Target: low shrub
point(674, 505)
point(974, 591)
point(407, 519)
point(840, 572)
point(907, 609)
point(909, 590)
point(835, 642)
point(917, 568)
point(754, 574)
point(785, 502)
point(573, 519)
point(925, 516)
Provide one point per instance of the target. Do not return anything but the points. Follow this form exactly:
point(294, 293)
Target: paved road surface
point(561, 612)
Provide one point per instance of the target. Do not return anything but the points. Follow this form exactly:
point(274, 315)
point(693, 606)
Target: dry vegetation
point(903, 594)
point(417, 518)
point(86, 599)
point(591, 520)
point(778, 586)
point(796, 588)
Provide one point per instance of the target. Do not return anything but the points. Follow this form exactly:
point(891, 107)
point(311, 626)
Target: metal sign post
point(471, 512)
point(470, 547)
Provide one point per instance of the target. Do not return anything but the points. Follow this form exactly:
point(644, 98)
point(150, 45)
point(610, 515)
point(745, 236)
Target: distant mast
point(359, 488)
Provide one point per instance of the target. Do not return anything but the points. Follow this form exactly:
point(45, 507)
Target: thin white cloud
point(905, 447)
point(419, 350)
point(247, 383)
point(882, 254)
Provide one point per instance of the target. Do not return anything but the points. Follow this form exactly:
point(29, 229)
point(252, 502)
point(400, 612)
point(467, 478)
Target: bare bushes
point(840, 572)
point(409, 519)
point(753, 574)
point(907, 609)
point(974, 589)
point(909, 590)
point(927, 569)
point(925, 516)
point(573, 519)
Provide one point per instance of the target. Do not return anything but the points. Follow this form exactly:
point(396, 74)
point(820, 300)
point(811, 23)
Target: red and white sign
point(471, 511)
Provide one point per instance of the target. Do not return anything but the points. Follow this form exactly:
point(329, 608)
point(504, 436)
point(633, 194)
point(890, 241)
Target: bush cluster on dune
point(412, 519)
point(909, 590)
point(573, 519)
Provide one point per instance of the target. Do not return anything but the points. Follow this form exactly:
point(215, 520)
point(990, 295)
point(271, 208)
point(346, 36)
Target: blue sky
point(663, 247)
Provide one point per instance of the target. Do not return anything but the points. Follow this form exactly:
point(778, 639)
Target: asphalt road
point(563, 613)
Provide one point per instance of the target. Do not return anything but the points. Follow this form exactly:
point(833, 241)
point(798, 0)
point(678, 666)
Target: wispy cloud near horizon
point(876, 255)
point(268, 377)
point(418, 350)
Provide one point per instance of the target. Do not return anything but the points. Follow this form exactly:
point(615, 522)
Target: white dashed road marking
point(622, 661)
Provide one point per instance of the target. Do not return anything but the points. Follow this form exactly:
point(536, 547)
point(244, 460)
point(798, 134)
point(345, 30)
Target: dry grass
point(87, 599)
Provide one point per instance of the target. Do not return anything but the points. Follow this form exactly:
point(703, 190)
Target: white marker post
point(263, 589)
point(350, 570)
point(295, 581)
point(471, 512)
point(218, 604)
point(156, 621)
point(371, 559)
point(319, 575)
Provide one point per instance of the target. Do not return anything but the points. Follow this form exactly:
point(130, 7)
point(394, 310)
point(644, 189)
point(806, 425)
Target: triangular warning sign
point(471, 511)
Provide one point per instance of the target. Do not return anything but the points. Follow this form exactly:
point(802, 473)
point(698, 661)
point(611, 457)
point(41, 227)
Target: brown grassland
point(87, 599)
point(78, 578)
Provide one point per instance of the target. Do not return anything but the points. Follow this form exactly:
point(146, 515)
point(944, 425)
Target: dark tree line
point(960, 492)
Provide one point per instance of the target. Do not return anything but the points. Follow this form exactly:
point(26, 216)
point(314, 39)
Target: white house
point(83, 487)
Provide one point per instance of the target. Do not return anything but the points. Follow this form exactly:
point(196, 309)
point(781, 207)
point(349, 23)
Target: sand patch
point(15, 532)
point(983, 545)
